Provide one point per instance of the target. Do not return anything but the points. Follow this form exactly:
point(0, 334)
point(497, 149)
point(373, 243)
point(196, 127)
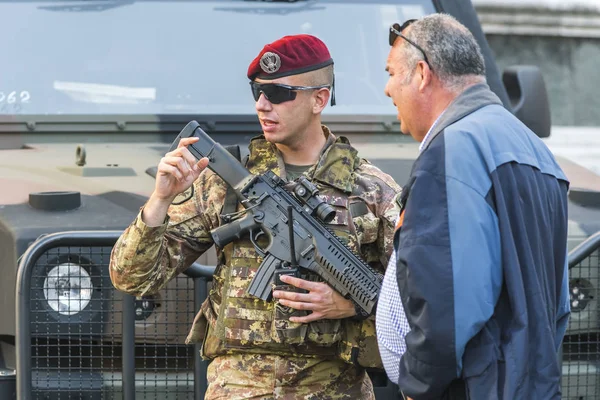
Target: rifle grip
point(225, 234)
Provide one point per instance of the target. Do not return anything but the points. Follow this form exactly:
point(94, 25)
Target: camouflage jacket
point(145, 258)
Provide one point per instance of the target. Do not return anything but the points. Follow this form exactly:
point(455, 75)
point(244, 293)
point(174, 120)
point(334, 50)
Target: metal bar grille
point(581, 345)
point(71, 326)
point(78, 328)
point(164, 366)
point(74, 324)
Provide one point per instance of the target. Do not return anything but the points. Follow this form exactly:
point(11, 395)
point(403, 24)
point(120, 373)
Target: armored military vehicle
point(92, 93)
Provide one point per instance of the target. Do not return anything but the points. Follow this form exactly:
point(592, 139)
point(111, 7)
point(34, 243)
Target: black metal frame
point(584, 249)
point(200, 273)
point(576, 256)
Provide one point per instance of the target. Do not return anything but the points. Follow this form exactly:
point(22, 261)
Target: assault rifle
point(285, 213)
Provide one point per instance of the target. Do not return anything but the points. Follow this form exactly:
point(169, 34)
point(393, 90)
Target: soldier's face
point(284, 123)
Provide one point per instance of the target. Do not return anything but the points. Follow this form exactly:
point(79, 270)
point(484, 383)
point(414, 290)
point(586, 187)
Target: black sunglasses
point(278, 93)
point(396, 31)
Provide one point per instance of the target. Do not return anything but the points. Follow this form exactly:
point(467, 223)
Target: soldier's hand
point(178, 170)
point(321, 299)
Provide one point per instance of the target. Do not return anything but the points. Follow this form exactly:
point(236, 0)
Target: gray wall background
point(571, 70)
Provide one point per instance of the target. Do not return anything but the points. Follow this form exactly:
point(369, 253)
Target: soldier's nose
point(263, 103)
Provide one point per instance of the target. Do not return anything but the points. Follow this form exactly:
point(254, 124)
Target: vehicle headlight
point(581, 292)
point(68, 288)
point(144, 306)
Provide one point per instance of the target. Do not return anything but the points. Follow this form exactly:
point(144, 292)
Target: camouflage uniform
point(241, 331)
point(268, 376)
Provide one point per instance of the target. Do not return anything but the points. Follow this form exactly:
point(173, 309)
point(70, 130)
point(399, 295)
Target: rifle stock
point(221, 162)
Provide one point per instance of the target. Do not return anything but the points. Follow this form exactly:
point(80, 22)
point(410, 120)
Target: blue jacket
point(482, 258)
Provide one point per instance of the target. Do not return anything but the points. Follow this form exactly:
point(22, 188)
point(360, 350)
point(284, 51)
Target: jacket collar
point(470, 100)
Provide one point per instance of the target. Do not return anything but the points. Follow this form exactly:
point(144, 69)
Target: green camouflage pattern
point(145, 258)
point(232, 322)
point(265, 376)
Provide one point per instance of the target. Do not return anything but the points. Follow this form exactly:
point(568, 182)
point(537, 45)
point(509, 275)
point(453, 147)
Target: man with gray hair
point(474, 304)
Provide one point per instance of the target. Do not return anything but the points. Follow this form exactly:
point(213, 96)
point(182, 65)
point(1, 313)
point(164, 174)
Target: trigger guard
point(261, 252)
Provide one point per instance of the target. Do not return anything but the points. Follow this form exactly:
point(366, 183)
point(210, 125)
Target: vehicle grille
point(79, 356)
point(581, 346)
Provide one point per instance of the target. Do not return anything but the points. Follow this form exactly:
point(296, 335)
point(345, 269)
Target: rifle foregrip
point(348, 278)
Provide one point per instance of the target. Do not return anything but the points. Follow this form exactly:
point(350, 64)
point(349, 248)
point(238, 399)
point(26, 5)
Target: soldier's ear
point(320, 99)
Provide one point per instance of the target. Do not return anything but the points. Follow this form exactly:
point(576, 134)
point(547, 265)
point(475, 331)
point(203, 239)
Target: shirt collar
point(426, 138)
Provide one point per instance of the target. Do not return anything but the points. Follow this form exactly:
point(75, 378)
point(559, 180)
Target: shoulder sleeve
point(381, 193)
point(388, 217)
point(145, 258)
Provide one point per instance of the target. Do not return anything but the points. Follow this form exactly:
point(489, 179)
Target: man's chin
point(405, 132)
point(272, 137)
point(403, 129)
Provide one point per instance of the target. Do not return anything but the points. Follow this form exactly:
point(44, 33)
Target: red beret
point(290, 55)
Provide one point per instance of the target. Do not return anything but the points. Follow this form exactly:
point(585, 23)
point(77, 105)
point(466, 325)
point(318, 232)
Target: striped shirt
point(391, 323)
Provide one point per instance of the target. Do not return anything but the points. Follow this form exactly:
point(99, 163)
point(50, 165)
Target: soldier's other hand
point(178, 170)
point(321, 299)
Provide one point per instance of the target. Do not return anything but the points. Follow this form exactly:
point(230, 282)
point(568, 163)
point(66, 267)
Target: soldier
point(309, 341)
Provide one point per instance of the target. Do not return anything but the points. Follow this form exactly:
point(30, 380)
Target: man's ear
point(426, 75)
point(321, 98)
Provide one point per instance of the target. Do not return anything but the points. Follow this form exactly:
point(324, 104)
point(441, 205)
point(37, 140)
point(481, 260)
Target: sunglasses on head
point(278, 93)
point(396, 31)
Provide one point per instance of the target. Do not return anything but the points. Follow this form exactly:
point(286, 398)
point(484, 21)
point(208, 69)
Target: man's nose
point(263, 104)
point(386, 90)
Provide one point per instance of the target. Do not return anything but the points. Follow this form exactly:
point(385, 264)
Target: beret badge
point(270, 62)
